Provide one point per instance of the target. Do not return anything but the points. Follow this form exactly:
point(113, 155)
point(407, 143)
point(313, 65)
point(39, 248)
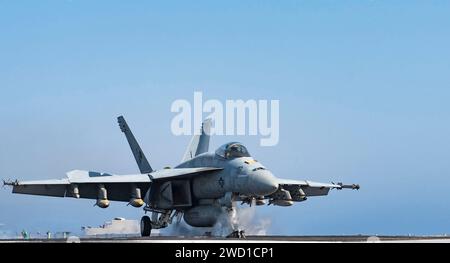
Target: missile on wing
point(137, 202)
point(136, 199)
point(260, 201)
point(102, 203)
point(281, 202)
point(102, 200)
point(281, 198)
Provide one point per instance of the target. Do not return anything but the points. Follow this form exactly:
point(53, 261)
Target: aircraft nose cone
point(264, 183)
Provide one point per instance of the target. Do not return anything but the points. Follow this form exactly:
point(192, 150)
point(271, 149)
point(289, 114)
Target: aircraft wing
point(55, 187)
point(309, 188)
point(119, 187)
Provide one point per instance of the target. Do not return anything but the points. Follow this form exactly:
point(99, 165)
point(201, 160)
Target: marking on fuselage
point(221, 182)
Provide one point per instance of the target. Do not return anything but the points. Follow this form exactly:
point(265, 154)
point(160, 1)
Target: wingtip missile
point(9, 182)
point(349, 186)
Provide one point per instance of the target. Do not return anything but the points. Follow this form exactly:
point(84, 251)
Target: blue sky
point(364, 89)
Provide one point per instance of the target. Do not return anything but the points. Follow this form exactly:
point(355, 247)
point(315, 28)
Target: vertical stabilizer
point(199, 143)
point(141, 160)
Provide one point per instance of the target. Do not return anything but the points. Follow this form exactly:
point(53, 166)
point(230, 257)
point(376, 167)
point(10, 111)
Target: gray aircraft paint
point(201, 187)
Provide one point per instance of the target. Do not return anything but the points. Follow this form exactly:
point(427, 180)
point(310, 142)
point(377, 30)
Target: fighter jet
point(197, 190)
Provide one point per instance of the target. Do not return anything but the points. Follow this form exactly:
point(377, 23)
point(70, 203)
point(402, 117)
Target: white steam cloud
point(240, 218)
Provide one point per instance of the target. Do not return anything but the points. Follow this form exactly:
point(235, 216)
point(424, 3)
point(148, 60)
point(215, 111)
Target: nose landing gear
point(240, 234)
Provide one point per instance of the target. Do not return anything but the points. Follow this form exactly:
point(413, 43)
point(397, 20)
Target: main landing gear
point(160, 219)
point(146, 226)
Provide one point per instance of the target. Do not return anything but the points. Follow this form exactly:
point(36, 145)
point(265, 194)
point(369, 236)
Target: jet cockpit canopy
point(232, 150)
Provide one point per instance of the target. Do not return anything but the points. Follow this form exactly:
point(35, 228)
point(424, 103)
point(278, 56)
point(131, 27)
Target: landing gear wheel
point(146, 226)
point(240, 234)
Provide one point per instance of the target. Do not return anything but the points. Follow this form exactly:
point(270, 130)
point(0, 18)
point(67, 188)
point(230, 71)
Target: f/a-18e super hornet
point(197, 190)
